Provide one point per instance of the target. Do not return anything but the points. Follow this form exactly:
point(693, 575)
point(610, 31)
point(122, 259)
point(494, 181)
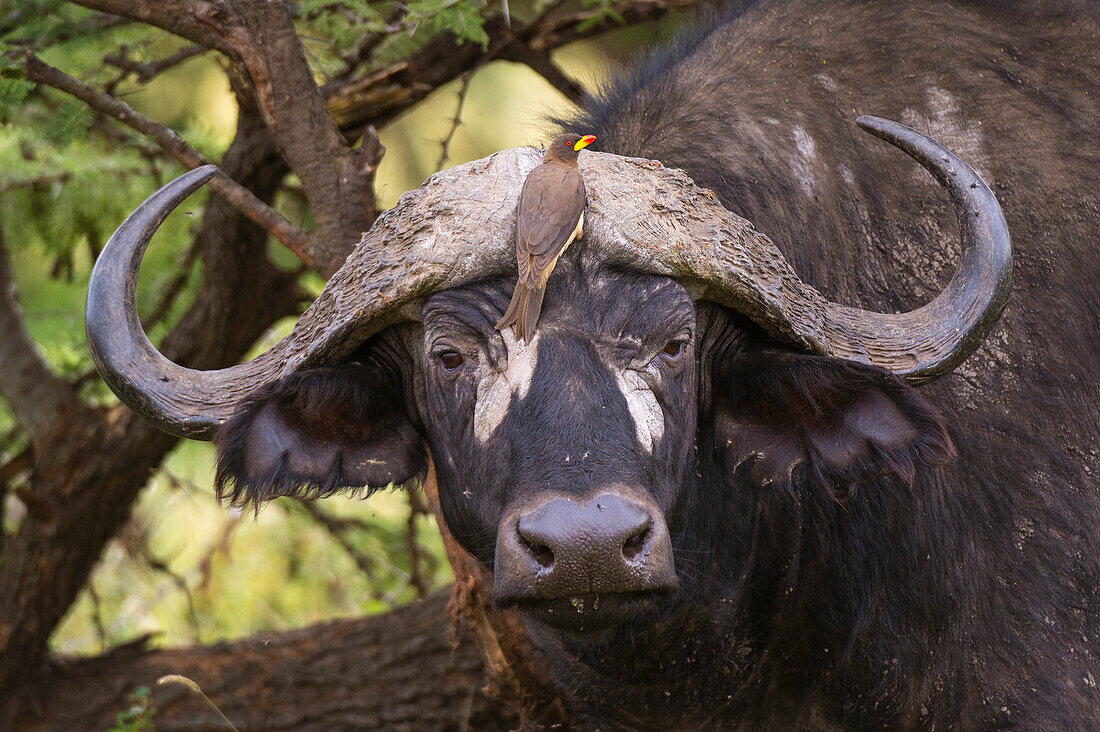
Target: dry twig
point(456, 122)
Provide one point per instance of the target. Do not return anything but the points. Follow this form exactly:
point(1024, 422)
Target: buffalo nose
point(610, 529)
point(610, 545)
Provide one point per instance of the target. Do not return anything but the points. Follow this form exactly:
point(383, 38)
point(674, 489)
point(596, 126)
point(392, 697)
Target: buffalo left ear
point(844, 422)
point(317, 432)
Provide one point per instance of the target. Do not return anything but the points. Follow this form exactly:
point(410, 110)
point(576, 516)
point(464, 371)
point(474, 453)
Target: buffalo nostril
point(540, 552)
point(633, 546)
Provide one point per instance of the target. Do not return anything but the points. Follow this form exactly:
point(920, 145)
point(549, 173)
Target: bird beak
point(584, 142)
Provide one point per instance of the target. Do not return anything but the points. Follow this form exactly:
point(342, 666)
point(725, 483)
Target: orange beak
point(584, 142)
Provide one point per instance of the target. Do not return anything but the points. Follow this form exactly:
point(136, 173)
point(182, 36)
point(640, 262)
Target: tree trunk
point(399, 671)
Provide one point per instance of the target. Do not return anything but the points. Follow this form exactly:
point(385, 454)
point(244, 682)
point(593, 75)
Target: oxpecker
point(549, 217)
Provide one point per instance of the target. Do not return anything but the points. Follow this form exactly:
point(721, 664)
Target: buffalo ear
point(317, 432)
point(843, 422)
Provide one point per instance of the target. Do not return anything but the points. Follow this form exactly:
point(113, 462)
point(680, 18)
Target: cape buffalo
point(712, 491)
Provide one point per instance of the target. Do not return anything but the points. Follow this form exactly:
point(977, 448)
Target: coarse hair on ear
point(318, 432)
point(843, 422)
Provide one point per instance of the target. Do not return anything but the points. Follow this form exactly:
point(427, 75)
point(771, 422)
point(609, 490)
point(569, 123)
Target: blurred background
point(184, 569)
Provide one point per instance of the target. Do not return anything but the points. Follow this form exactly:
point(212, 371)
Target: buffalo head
point(676, 343)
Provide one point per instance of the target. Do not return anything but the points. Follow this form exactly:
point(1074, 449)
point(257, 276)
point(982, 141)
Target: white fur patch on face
point(649, 420)
point(496, 387)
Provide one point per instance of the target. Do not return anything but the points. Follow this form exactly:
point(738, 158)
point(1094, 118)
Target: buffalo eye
point(673, 349)
point(451, 360)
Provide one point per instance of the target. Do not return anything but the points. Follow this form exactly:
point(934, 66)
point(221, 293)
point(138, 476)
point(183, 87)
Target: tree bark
point(37, 397)
point(399, 671)
point(516, 669)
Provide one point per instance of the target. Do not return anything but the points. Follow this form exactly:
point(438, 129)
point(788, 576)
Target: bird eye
point(451, 360)
point(673, 348)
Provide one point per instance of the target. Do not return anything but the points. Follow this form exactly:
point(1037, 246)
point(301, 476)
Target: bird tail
point(523, 311)
point(514, 311)
point(532, 309)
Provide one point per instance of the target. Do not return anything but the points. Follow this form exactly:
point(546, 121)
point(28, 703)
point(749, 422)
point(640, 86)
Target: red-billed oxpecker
point(549, 217)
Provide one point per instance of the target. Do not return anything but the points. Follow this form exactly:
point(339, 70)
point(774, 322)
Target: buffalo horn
point(457, 228)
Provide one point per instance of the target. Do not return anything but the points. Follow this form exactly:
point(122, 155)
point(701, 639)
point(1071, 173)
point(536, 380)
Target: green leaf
point(13, 90)
point(68, 123)
point(463, 19)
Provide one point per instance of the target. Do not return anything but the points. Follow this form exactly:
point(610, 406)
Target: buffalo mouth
point(591, 612)
point(582, 564)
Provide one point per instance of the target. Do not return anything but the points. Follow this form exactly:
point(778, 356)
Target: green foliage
point(13, 86)
point(138, 717)
point(603, 10)
point(463, 19)
point(69, 122)
point(340, 25)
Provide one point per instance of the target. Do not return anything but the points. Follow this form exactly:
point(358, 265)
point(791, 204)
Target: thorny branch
point(456, 122)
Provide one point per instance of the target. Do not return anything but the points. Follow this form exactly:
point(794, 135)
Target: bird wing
point(550, 205)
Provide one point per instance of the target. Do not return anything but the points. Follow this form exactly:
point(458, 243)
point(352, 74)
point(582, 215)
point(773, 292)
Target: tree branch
point(541, 63)
point(196, 20)
point(294, 238)
point(91, 468)
point(11, 185)
point(36, 395)
point(456, 122)
point(260, 37)
point(385, 93)
point(145, 71)
point(399, 671)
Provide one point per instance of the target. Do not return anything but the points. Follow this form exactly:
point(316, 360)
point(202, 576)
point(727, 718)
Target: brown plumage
point(549, 217)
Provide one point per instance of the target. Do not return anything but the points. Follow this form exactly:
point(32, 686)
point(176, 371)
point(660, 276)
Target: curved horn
point(668, 225)
point(458, 228)
point(932, 340)
point(174, 398)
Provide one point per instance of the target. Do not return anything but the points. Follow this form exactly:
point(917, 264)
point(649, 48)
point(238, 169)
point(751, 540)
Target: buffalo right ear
point(317, 432)
point(845, 423)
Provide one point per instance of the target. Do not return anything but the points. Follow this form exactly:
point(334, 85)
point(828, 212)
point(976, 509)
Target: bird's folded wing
point(550, 206)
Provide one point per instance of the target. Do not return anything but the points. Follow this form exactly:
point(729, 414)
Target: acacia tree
point(307, 120)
